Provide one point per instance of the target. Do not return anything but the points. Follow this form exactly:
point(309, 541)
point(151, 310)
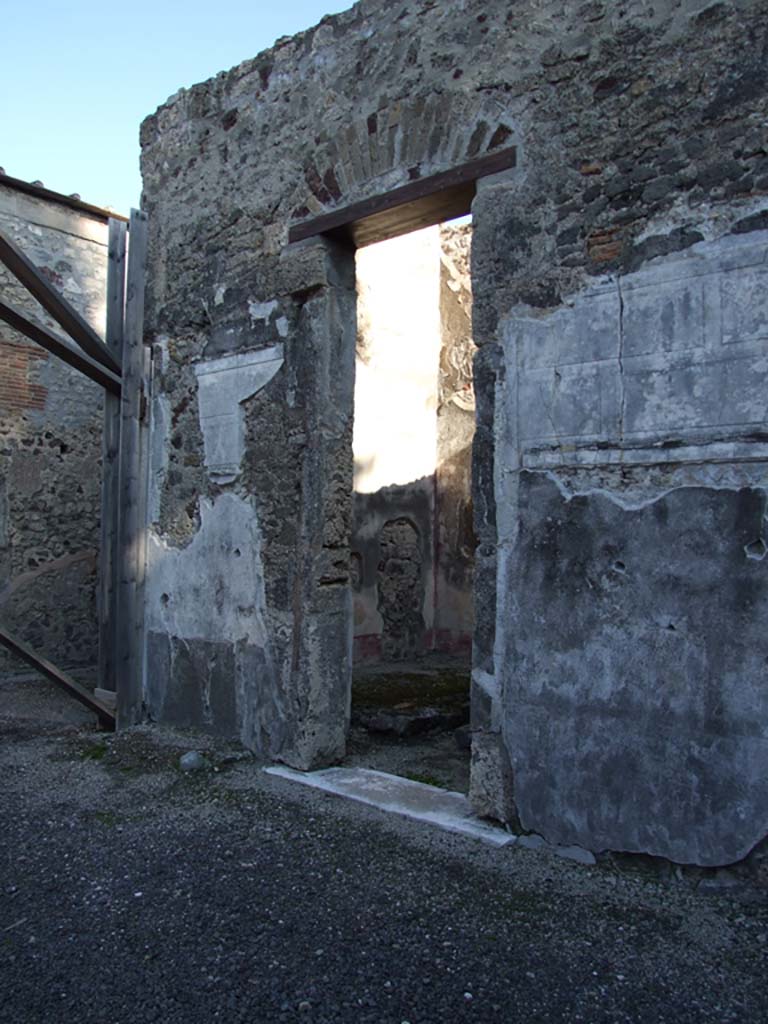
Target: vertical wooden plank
point(108, 547)
point(132, 483)
point(144, 464)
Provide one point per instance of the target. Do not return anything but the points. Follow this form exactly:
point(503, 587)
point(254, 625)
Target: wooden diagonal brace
point(60, 347)
point(49, 670)
point(54, 303)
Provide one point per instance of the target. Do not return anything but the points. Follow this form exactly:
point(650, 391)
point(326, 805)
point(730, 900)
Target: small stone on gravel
point(192, 761)
point(576, 853)
point(531, 842)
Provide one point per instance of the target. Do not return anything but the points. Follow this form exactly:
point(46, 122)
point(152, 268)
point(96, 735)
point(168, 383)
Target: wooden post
point(110, 482)
point(132, 541)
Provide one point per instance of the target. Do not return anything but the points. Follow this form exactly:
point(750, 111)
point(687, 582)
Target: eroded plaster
point(223, 385)
point(626, 699)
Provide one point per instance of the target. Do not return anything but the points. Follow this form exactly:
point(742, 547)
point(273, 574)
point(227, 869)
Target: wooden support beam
point(58, 346)
point(419, 204)
point(54, 303)
point(133, 444)
point(110, 477)
point(66, 682)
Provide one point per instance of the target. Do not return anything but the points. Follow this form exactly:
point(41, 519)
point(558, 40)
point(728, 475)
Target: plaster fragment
point(211, 590)
point(223, 385)
point(261, 310)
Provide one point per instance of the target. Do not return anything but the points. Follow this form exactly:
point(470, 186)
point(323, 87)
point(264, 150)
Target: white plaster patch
point(261, 310)
point(223, 385)
point(213, 588)
point(161, 351)
point(160, 429)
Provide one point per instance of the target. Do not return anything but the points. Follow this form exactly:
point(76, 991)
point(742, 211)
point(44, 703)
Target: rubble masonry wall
point(619, 466)
point(50, 444)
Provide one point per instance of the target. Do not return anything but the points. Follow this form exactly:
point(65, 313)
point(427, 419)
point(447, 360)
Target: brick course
point(19, 391)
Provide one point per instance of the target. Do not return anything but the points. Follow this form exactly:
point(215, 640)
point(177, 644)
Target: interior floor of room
point(412, 719)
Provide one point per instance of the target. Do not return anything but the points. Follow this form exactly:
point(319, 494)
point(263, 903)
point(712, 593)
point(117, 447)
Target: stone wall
point(50, 442)
point(455, 542)
point(619, 461)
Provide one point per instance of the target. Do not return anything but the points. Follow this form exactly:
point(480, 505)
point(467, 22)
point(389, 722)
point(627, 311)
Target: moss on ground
point(426, 778)
point(446, 690)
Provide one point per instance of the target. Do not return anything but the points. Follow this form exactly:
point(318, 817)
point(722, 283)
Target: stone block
point(486, 703)
point(491, 786)
point(577, 854)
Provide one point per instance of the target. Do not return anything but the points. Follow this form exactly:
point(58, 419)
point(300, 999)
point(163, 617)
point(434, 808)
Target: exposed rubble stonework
point(50, 442)
point(455, 542)
point(401, 589)
point(620, 460)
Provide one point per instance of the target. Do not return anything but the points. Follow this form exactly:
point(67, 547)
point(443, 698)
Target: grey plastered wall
point(247, 573)
point(641, 133)
point(50, 443)
point(631, 641)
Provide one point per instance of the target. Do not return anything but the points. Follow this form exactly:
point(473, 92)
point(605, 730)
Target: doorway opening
point(412, 537)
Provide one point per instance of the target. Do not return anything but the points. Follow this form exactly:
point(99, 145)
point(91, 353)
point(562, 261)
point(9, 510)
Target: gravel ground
point(133, 892)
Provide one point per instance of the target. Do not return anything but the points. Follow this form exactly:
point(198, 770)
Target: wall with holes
point(619, 460)
point(50, 443)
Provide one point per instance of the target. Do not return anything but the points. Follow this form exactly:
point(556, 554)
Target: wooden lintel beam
point(54, 303)
point(49, 670)
point(420, 203)
point(60, 347)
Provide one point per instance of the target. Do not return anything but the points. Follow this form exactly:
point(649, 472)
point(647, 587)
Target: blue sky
point(77, 79)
